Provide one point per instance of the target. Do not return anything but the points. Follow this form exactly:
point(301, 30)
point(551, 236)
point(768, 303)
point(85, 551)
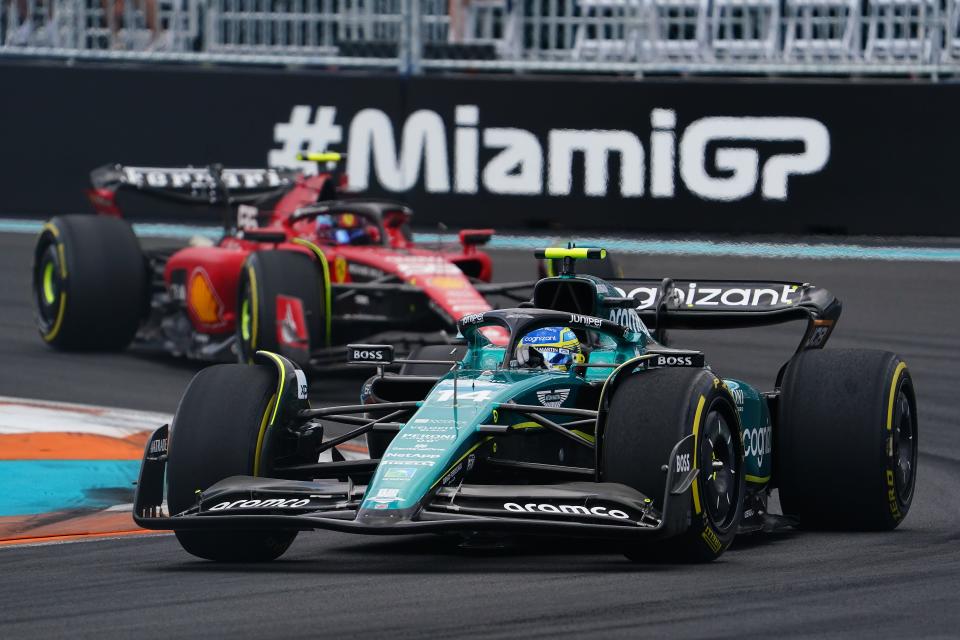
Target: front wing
point(582, 509)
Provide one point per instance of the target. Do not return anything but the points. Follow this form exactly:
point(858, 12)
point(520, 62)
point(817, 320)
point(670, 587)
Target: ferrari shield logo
point(339, 269)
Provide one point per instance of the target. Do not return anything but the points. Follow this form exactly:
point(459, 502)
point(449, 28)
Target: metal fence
point(837, 37)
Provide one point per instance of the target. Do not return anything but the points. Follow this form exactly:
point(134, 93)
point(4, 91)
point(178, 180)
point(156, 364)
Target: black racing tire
point(90, 283)
point(214, 435)
point(265, 276)
point(605, 269)
point(649, 413)
point(845, 443)
point(378, 441)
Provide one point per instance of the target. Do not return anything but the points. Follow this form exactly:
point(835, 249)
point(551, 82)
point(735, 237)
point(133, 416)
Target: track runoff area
point(896, 297)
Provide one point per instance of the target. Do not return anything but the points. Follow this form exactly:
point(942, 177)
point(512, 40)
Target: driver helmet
point(559, 347)
point(351, 229)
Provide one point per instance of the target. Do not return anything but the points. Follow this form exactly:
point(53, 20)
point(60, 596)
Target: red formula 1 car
point(298, 271)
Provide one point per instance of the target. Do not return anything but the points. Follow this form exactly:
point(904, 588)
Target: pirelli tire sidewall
point(845, 440)
point(90, 283)
point(265, 275)
point(650, 412)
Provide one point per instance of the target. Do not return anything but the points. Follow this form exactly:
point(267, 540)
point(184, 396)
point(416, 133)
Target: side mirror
point(472, 238)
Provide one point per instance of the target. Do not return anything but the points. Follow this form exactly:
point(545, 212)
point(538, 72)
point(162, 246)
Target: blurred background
point(681, 116)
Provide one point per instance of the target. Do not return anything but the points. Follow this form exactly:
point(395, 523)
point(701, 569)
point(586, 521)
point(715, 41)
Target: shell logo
point(446, 282)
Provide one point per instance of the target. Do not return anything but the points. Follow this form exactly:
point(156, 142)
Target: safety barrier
point(867, 37)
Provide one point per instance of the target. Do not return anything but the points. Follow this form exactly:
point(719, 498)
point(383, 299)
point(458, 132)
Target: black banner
point(609, 154)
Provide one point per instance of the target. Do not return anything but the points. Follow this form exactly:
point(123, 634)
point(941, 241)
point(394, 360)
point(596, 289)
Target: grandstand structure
point(744, 37)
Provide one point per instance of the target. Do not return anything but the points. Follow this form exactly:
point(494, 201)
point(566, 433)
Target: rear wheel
point(215, 435)
point(649, 413)
point(846, 439)
point(89, 283)
point(282, 306)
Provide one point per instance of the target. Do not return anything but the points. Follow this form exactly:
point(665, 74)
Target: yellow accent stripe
point(751, 478)
point(893, 389)
point(52, 334)
point(696, 430)
point(56, 234)
point(63, 261)
point(327, 297)
point(584, 435)
point(49, 226)
point(576, 252)
point(534, 425)
point(283, 379)
point(460, 459)
point(253, 311)
point(325, 156)
point(263, 431)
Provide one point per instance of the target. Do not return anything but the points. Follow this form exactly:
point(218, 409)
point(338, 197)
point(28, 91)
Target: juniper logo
point(714, 158)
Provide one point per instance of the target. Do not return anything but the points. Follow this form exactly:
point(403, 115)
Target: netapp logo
point(566, 509)
point(270, 503)
point(713, 154)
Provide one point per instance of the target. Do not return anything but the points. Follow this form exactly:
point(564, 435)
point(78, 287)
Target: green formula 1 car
point(584, 424)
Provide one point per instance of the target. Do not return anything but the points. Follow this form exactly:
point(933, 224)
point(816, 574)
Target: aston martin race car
point(583, 423)
point(298, 271)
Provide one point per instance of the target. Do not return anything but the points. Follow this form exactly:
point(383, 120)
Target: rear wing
point(191, 185)
point(726, 304)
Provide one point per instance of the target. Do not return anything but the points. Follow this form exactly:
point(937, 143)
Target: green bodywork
point(436, 445)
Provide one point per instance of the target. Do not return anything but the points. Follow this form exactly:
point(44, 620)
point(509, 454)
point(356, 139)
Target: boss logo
point(691, 360)
point(377, 354)
point(683, 462)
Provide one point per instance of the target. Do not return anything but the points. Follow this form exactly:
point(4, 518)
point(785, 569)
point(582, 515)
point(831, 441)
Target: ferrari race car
point(583, 423)
point(297, 271)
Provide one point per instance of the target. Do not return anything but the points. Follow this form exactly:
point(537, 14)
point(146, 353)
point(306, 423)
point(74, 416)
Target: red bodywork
point(218, 267)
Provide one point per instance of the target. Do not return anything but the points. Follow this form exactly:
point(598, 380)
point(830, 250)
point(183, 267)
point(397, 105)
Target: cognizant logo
point(711, 158)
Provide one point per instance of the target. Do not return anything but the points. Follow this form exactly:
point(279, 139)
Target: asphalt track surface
point(904, 583)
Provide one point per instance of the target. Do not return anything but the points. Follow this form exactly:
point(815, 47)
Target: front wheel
point(283, 302)
point(649, 413)
point(215, 435)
